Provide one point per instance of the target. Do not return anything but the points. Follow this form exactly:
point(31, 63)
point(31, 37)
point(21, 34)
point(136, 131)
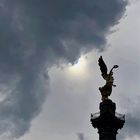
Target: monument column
point(107, 121)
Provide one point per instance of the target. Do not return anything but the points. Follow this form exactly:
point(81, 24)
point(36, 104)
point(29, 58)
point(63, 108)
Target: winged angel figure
point(107, 88)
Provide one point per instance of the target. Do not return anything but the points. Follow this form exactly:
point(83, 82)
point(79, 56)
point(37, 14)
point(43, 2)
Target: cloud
point(132, 124)
point(81, 136)
point(131, 127)
point(34, 35)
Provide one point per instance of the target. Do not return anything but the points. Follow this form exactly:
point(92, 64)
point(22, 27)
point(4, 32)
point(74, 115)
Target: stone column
point(107, 121)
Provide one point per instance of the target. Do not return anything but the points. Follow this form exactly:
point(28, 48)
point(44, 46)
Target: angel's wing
point(103, 67)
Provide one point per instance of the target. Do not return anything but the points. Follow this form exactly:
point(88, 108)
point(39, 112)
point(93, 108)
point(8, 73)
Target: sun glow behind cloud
point(79, 68)
point(76, 71)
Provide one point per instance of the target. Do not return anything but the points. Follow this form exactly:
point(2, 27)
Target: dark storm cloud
point(34, 34)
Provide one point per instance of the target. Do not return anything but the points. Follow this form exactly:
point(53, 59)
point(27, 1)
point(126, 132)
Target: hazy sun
point(78, 68)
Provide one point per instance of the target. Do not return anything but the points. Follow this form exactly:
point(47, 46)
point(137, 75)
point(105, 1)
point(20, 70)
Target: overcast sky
point(49, 71)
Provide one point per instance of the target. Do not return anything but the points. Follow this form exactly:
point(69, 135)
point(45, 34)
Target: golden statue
point(107, 88)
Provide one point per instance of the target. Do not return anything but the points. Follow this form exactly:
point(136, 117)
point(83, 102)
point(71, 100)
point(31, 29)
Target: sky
point(49, 69)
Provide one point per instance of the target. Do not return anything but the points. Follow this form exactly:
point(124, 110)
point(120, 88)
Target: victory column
point(107, 121)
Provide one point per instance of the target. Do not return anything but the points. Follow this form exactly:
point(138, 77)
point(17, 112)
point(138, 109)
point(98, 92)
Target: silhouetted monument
point(107, 121)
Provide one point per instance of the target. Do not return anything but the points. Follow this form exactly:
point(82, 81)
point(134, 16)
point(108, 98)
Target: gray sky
point(44, 96)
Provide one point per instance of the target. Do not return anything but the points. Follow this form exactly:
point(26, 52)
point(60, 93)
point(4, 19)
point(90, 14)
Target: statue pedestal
point(107, 121)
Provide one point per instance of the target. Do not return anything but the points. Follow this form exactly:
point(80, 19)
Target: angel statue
point(107, 88)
